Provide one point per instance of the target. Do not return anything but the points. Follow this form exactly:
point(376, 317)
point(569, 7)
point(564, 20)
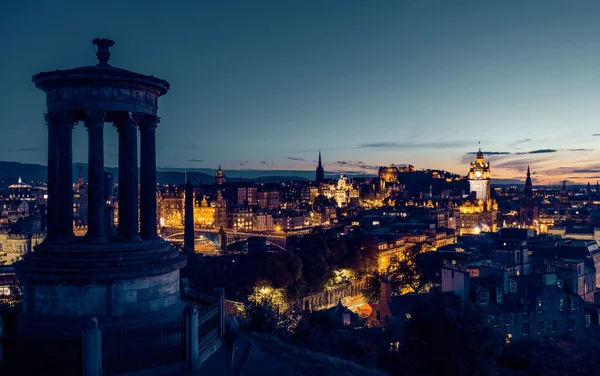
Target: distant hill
point(10, 172)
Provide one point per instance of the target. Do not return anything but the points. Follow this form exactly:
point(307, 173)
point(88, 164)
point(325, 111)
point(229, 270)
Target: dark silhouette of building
point(320, 172)
point(529, 211)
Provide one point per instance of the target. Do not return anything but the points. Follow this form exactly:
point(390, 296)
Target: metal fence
point(141, 348)
point(38, 354)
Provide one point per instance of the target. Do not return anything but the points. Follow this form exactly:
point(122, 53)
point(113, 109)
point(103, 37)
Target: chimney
point(385, 293)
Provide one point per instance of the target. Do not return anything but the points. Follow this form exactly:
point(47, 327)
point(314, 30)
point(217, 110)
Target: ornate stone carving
point(94, 118)
point(126, 123)
point(60, 119)
point(113, 96)
point(147, 122)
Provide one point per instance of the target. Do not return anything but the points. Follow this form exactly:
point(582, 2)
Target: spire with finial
point(320, 176)
point(103, 53)
point(528, 172)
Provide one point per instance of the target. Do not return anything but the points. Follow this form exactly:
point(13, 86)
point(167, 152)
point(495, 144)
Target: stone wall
point(122, 298)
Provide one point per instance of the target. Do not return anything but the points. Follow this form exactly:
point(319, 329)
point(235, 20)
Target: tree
point(372, 287)
point(448, 336)
point(312, 251)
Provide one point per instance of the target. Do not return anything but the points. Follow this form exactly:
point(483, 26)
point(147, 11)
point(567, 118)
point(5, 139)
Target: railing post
point(1, 349)
point(191, 335)
point(220, 302)
point(92, 348)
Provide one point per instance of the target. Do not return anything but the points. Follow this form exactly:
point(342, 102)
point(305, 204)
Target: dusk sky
point(266, 84)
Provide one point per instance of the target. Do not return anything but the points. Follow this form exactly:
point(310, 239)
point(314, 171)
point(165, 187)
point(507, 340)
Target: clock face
point(478, 174)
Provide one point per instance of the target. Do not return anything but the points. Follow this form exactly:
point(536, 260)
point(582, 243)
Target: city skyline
point(267, 85)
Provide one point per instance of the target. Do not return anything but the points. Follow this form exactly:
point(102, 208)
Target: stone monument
point(123, 280)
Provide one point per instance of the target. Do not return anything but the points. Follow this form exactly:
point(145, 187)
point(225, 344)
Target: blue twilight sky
point(266, 84)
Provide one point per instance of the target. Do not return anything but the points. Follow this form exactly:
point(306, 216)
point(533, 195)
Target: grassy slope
point(309, 362)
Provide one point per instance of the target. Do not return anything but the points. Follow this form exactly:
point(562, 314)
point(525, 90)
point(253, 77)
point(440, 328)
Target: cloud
point(264, 162)
point(25, 149)
point(519, 142)
point(296, 159)
point(356, 165)
point(243, 163)
point(596, 134)
point(410, 145)
point(194, 160)
point(580, 149)
point(490, 152)
point(586, 171)
point(539, 151)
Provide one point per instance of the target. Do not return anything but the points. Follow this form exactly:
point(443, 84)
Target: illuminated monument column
point(125, 280)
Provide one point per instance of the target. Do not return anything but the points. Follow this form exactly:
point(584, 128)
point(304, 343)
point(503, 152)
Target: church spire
point(320, 176)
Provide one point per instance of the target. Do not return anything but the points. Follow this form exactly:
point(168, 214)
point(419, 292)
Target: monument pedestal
point(119, 283)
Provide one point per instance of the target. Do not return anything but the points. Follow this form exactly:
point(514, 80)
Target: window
point(571, 325)
point(559, 282)
point(498, 296)
point(554, 326)
point(507, 320)
point(495, 322)
point(587, 320)
point(484, 297)
point(561, 304)
point(525, 329)
point(525, 309)
point(573, 304)
point(513, 286)
point(539, 327)
point(538, 306)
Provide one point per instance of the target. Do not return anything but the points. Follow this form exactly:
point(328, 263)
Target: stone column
point(188, 229)
point(52, 179)
point(128, 178)
point(191, 343)
point(148, 126)
point(94, 122)
point(91, 351)
point(65, 174)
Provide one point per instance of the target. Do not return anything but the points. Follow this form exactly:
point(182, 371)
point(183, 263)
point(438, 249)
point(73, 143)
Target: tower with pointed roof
point(219, 177)
point(320, 176)
point(528, 213)
point(480, 178)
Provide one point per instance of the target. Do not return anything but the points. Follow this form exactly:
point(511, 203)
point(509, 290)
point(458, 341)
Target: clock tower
point(480, 178)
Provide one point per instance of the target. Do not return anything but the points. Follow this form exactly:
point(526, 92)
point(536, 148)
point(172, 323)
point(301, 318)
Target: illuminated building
point(219, 177)
point(220, 211)
point(80, 201)
point(240, 218)
point(267, 199)
point(387, 175)
point(320, 175)
point(480, 212)
point(14, 246)
point(170, 208)
point(343, 192)
point(480, 179)
point(204, 214)
point(263, 222)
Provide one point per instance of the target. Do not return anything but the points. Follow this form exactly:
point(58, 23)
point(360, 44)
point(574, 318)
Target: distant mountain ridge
point(10, 172)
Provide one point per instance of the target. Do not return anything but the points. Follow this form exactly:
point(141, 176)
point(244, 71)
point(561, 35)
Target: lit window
point(525, 329)
point(539, 327)
point(561, 304)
